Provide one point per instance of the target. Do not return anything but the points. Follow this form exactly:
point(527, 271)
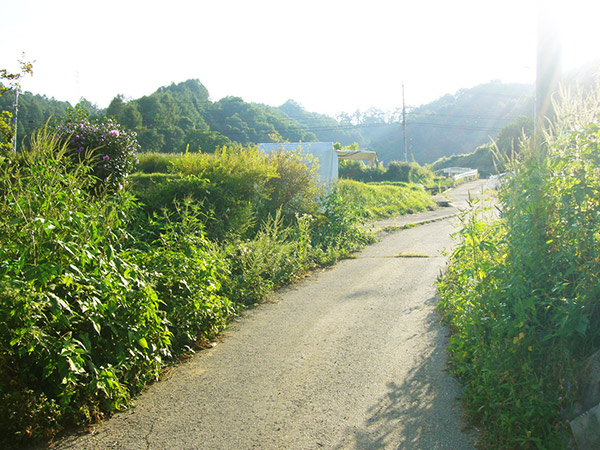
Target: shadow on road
point(421, 411)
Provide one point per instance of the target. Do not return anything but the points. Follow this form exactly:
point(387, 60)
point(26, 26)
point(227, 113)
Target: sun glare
point(578, 24)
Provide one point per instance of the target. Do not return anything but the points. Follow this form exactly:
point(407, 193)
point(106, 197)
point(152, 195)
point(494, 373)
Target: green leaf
point(142, 341)
point(60, 302)
point(95, 325)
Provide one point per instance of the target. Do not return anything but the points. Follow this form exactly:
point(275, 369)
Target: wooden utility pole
point(549, 62)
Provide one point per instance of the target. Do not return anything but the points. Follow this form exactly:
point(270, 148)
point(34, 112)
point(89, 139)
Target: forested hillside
point(181, 115)
point(34, 111)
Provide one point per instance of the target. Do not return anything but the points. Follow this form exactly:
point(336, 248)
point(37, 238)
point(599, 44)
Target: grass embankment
point(521, 293)
point(99, 291)
point(396, 173)
point(382, 200)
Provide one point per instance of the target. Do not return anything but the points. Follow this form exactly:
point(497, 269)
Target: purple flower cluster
point(108, 143)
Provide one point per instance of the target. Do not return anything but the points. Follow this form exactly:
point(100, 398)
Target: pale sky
point(329, 55)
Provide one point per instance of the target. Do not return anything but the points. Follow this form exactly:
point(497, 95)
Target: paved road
point(352, 357)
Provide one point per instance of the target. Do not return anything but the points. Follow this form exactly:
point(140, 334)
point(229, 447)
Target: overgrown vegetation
point(521, 292)
point(81, 327)
point(396, 171)
point(101, 287)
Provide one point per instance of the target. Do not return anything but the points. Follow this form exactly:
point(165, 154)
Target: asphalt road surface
point(351, 357)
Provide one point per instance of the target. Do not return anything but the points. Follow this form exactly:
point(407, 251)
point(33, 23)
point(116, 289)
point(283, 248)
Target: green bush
point(80, 326)
point(294, 190)
point(237, 188)
point(396, 171)
point(186, 273)
point(274, 257)
point(356, 170)
point(161, 191)
point(237, 179)
point(155, 162)
point(339, 229)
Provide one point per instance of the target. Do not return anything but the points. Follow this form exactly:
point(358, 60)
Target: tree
point(94, 112)
point(150, 140)
point(115, 108)
point(205, 140)
point(173, 137)
point(152, 110)
point(131, 117)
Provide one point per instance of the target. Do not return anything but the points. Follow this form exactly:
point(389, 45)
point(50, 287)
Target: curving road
point(351, 357)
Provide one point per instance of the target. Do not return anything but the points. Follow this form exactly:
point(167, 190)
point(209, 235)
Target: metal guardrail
point(469, 174)
point(450, 171)
point(459, 173)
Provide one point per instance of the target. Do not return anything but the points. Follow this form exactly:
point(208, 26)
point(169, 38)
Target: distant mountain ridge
point(181, 116)
point(452, 124)
point(457, 124)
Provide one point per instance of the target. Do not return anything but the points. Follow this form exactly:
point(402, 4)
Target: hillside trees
point(169, 119)
point(181, 115)
point(320, 127)
point(251, 123)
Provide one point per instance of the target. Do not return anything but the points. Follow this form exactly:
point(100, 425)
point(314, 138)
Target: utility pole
point(16, 117)
point(548, 65)
point(404, 125)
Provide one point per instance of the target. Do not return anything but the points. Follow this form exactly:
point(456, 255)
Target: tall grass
point(380, 200)
point(521, 293)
